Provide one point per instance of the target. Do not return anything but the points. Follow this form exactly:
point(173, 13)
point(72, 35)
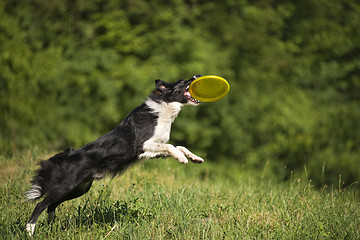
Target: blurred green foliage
point(70, 70)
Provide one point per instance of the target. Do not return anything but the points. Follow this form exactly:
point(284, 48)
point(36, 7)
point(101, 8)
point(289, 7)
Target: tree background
point(71, 70)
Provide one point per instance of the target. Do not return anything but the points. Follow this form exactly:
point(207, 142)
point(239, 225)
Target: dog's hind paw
point(30, 228)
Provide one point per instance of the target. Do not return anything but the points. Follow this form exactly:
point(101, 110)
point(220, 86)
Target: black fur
point(70, 174)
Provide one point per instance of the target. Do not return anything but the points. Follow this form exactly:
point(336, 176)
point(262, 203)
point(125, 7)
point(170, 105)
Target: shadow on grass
point(102, 211)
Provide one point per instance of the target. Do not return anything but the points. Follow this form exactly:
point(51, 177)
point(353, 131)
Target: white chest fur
point(157, 146)
point(167, 112)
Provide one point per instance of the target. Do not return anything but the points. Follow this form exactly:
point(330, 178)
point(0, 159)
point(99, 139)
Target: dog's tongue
point(187, 94)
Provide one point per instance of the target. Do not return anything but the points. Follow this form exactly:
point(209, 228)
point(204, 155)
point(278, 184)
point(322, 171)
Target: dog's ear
point(161, 85)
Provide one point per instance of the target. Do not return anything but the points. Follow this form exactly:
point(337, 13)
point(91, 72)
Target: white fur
point(157, 145)
point(167, 113)
point(190, 155)
point(30, 228)
point(34, 192)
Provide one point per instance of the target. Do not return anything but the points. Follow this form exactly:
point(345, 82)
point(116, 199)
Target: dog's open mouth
point(189, 97)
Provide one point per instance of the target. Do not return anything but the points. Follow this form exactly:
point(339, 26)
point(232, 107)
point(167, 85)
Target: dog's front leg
point(153, 149)
point(194, 158)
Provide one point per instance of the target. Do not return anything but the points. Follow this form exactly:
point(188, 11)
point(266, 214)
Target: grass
point(162, 199)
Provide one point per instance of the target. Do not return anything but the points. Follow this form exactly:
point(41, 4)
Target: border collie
point(144, 133)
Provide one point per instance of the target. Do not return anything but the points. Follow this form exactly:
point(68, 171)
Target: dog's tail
point(34, 192)
point(39, 183)
point(37, 189)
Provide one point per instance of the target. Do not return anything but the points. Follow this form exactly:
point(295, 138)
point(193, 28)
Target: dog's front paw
point(196, 159)
point(178, 155)
point(182, 159)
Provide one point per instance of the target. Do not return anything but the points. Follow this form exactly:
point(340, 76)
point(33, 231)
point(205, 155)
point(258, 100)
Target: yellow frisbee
point(209, 88)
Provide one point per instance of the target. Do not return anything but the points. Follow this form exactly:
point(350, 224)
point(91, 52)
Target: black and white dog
point(144, 133)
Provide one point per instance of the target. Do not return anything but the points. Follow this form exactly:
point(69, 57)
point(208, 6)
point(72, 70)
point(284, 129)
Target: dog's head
point(174, 92)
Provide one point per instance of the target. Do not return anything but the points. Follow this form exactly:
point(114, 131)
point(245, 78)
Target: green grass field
point(163, 199)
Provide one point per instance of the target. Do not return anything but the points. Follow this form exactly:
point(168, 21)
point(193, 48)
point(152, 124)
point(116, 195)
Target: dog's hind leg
point(51, 211)
point(52, 202)
point(51, 215)
point(40, 207)
point(75, 193)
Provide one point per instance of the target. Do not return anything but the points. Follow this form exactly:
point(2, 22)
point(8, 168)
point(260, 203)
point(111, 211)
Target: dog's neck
point(166, 112)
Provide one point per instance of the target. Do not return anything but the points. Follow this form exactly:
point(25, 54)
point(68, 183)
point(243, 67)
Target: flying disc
point(209, 88)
